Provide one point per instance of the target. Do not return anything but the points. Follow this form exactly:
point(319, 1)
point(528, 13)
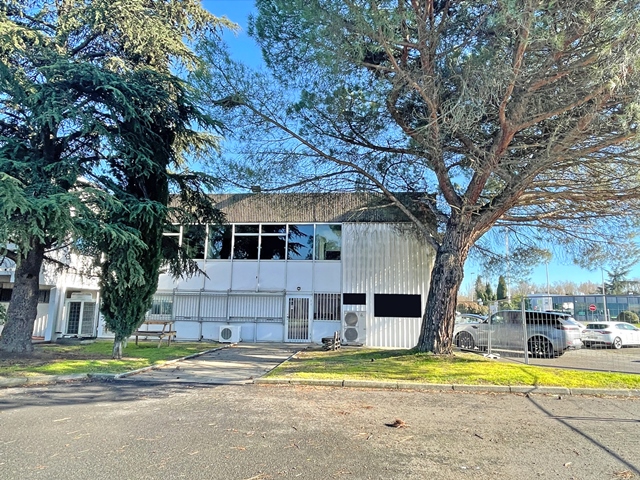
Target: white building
point(286, 268)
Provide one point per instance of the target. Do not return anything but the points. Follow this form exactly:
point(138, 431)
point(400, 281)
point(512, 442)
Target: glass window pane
point(328, 242)
point(300, 246)
point(245, 247)
point(273, 247)
point(172, 229)
point(193, 240)
point(247, 228)
point(219, 242)
point(274, 229)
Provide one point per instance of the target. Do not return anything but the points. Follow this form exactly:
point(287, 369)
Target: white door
point(297, 322)
point(81, 318)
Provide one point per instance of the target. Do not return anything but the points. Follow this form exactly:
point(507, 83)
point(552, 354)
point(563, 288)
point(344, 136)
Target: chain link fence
point(550, 338)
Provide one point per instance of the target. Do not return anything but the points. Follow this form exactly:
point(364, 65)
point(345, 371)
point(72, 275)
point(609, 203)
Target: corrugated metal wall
point(385, 258)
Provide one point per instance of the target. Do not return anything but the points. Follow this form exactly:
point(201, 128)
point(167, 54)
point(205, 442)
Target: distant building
point(586, 308)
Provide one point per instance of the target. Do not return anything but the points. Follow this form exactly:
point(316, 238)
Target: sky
point(243, 48)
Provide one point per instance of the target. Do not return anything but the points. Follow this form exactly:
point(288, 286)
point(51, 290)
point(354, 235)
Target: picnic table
point(167, 330)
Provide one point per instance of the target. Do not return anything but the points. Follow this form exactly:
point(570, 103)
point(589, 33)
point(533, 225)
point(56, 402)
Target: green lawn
point(463, 368)
point(52, 359)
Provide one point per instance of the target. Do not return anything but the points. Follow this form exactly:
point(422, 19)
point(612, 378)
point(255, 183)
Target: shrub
point(473, 307)
point(628, 316)
point(3, 314)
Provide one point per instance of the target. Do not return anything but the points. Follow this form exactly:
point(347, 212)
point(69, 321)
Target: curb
point(435, 387)
point(9, 382)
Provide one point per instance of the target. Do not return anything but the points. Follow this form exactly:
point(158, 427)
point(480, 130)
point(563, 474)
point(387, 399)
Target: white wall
point(385, 258)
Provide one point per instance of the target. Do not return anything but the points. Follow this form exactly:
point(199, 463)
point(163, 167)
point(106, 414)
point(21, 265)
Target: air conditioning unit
point(353, 327)
point(229, 334)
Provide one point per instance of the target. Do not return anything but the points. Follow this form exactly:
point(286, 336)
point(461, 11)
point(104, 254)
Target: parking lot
point(625, 360)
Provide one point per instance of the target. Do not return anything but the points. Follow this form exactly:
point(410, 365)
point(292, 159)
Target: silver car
point(548, 334)
point(611, 334)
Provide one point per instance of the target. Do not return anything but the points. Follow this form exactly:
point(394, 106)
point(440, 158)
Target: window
point(273, 242)
point(219, 242)
point(161, 306)
point(326, 306)
point(300, 245)
point(245, 242)
point(328, 242)
point(5, 294)
point(44, 296)
point(193, 237)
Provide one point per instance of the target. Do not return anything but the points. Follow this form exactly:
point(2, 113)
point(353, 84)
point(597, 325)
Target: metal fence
point(551, 339)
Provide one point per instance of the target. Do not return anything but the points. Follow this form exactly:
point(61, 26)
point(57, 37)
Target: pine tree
point(81, 106)
point(501, 292)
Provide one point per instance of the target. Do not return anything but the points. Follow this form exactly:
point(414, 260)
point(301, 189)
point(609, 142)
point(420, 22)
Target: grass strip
point(53, 359)
point(461, 368)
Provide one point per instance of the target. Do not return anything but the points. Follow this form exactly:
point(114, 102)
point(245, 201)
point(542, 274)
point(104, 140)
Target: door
point(81, 318)
point(298, 313)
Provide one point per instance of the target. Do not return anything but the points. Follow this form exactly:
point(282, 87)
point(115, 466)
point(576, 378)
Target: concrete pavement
point(239, 363)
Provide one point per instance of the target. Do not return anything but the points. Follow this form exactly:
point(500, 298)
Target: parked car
point(548, 334)
point(611, 334)
point(469, 318)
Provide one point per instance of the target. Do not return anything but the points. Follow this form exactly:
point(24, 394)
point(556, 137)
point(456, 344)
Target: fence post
point(524, 334)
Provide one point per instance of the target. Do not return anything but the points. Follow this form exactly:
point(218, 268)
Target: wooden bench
point(167, 331)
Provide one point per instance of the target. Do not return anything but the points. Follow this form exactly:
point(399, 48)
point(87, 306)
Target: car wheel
point(465, 341)
point(617, 343)
point(540, 347)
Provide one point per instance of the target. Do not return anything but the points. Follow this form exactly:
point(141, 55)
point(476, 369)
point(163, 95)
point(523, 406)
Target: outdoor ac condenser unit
point(353, 327)
point(229, 334)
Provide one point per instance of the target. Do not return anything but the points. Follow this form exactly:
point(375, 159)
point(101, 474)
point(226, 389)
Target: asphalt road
point(142, 430)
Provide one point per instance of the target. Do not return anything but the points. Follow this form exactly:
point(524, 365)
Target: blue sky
point(244, 48)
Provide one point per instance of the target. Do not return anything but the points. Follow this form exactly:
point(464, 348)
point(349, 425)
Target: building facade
point(284, 268)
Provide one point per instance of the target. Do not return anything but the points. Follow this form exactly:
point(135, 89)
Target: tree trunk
point(446, 277)
point(23, 307)
point(116, 353)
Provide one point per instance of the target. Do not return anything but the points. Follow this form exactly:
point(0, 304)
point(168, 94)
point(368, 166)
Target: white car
point(610, 334)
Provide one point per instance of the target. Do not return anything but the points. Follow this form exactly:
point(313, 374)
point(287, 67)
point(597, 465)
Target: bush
point(473, 307)
point(628, 316)
point(3, 314)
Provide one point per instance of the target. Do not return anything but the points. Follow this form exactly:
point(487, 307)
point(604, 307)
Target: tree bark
point(23, 307)
point(116, 353)
point(446, 277)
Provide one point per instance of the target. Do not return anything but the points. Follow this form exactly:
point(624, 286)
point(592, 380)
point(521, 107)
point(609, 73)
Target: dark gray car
point(548, 334)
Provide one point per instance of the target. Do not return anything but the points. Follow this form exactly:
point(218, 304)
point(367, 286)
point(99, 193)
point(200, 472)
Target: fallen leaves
point(398, 423)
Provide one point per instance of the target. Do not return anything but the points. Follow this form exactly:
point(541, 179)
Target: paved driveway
point(236, 364)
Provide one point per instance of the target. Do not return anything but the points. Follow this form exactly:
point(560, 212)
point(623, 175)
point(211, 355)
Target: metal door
point(298, 313)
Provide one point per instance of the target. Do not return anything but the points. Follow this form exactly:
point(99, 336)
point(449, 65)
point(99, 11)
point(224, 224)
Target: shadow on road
point(565, 421)
point(92, 391)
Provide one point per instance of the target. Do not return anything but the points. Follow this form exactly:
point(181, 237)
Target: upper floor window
point(263, 241)
point(328, 242)
point(300, 245)
point(219, 242)
point(245, 242)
